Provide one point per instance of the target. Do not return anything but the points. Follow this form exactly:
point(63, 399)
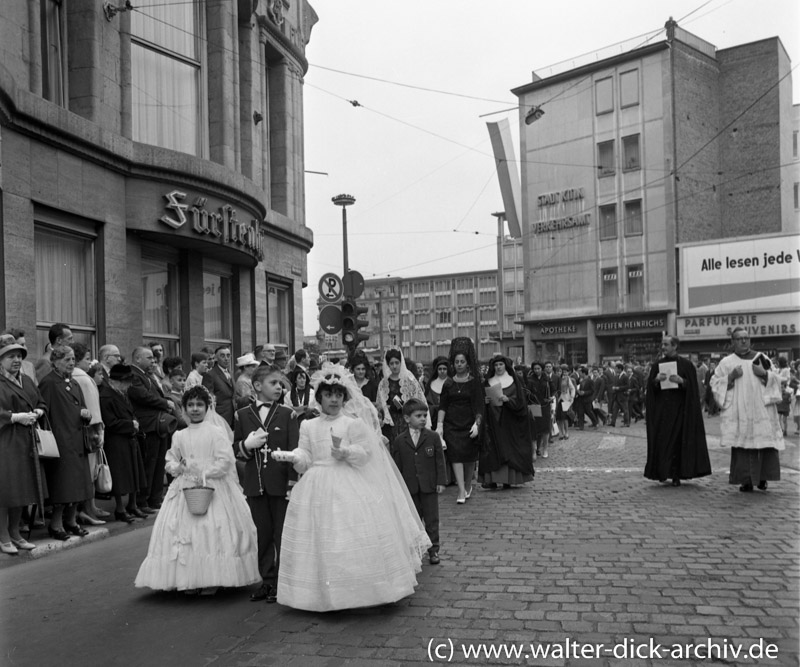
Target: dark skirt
point(126, 464)
point(751, 466)
point(18, 485)
point(460, 447)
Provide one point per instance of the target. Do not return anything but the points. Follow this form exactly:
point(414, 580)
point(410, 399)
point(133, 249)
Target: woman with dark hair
point(363, 377)
point(440, 371)
point(69, 479)
point(300, 393)
point(352, 537)
point(507, 451)
point(397, 386)
point(539, 390)
point(461, 413)
point(21, 406)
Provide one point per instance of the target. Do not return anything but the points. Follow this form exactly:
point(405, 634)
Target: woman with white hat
point(21, 406)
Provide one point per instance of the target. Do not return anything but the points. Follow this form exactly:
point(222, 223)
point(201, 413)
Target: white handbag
point(102, 482)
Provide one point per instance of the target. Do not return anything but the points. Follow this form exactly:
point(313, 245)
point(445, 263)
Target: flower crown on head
point(330, 374)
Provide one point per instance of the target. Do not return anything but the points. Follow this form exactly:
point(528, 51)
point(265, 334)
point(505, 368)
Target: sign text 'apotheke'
point(222, 224)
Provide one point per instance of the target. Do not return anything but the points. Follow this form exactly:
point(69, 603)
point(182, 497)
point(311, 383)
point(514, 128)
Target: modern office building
point(151, 185)
point(628, 161)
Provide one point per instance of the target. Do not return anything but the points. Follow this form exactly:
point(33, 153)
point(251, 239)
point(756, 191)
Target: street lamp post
point(380, 319)
point(344, 201)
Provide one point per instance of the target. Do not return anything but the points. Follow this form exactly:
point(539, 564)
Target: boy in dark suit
point(260, 428)
point(419, 456)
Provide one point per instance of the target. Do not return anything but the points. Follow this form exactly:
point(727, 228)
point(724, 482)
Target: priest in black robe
point(676, 437)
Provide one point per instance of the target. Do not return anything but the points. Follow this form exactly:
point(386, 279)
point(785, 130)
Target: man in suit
point(583, 402)
point(599, 381)
point(261, 426)
point(220, 383)
point(58, 335)
point(620, 397)
point(148, 403)
point(419, 456)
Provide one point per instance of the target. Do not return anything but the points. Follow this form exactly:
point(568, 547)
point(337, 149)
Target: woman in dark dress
point(506, 451)
point(69, 479)
point(396, 387)
point(460, 415)
point(301, 393)
point(440, 371)
point(121, 443)
point(20, 408)
point(539, 390)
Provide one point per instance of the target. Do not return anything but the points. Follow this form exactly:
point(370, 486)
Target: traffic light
point(351, 324)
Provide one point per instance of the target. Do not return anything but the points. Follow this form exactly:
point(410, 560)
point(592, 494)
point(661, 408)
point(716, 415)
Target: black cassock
point(676, 436)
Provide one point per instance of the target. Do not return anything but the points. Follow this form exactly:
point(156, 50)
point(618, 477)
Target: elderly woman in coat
point(68, 477)
point(20, 407)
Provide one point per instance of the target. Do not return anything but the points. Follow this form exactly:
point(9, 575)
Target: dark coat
point(620, 387)
point(147, 400)
point(69, 479)
point(223, 390)
point(507, 436)
point(422, 466)
point(675, 430)
point(120, 442)
point(284, 434)
point(18, 481)
point(599, 388)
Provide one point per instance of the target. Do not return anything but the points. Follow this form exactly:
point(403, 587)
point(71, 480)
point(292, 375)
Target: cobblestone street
point(590, 553)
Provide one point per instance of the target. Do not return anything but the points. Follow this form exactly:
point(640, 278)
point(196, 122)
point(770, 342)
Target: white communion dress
point(351, 537)
point(219, 548)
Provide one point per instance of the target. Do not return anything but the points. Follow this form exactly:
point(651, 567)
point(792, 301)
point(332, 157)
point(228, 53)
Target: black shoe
point(489, 485)
point(260, 594)
point(136, 512)
point(76, 530)
point(676, 482)
point(762, 485)
point(144, 509)
point(57, 534)
point(123, 516)
point(746, 488)
point(272, 595)
point(433, 557)
point(506, 486)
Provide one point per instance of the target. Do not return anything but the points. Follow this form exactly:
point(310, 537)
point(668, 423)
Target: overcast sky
point(419, 163)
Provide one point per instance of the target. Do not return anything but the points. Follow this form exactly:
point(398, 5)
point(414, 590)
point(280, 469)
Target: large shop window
point(166, 75)
point(54, 51)
point(217, 295)
point(65, 284)
point(280, 313)
point(161, 306)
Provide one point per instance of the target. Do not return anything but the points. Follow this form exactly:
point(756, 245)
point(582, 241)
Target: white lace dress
point(351, 537)
point(219, 548)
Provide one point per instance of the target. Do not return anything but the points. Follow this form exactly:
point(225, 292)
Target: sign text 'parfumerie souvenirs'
point(222, 224)
point(561, 201)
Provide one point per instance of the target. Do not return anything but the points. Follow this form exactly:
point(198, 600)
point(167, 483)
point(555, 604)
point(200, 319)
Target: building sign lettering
point(755, 324)
point(221, 224)
point(627, 325)
point(564, 329)
point(567, 205)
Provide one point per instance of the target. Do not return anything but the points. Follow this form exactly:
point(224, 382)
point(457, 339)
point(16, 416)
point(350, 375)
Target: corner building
point(151, 178)
point(668, 144)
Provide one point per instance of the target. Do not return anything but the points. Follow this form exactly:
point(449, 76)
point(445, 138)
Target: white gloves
point(24, 418)
point(255, 440)
point(473, 432)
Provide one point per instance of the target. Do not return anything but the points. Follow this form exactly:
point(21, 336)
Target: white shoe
point(544, 454)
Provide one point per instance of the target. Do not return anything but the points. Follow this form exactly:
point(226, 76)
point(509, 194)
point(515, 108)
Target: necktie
point(264, 407)
point(414, 435)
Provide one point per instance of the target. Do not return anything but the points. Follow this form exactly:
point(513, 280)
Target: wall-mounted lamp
point(111, 11)
point(257, 117)
point(533, 115)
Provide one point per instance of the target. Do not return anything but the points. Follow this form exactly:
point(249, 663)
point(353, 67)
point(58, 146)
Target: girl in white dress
point(188, 552)
point(351, 537)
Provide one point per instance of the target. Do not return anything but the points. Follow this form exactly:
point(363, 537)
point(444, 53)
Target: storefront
point(630, 338)
point(557, 341)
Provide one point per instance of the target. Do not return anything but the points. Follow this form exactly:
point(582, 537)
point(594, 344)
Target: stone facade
point(71, 163)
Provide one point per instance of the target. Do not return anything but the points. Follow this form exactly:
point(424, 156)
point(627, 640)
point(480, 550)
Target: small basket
point(198, 498)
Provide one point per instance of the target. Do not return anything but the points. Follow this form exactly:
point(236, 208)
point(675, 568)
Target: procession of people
point(321, 481)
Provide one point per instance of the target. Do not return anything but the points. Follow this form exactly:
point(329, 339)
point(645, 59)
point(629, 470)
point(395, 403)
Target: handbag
point(46, 444)
point(535, 409)
point(102, 482)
